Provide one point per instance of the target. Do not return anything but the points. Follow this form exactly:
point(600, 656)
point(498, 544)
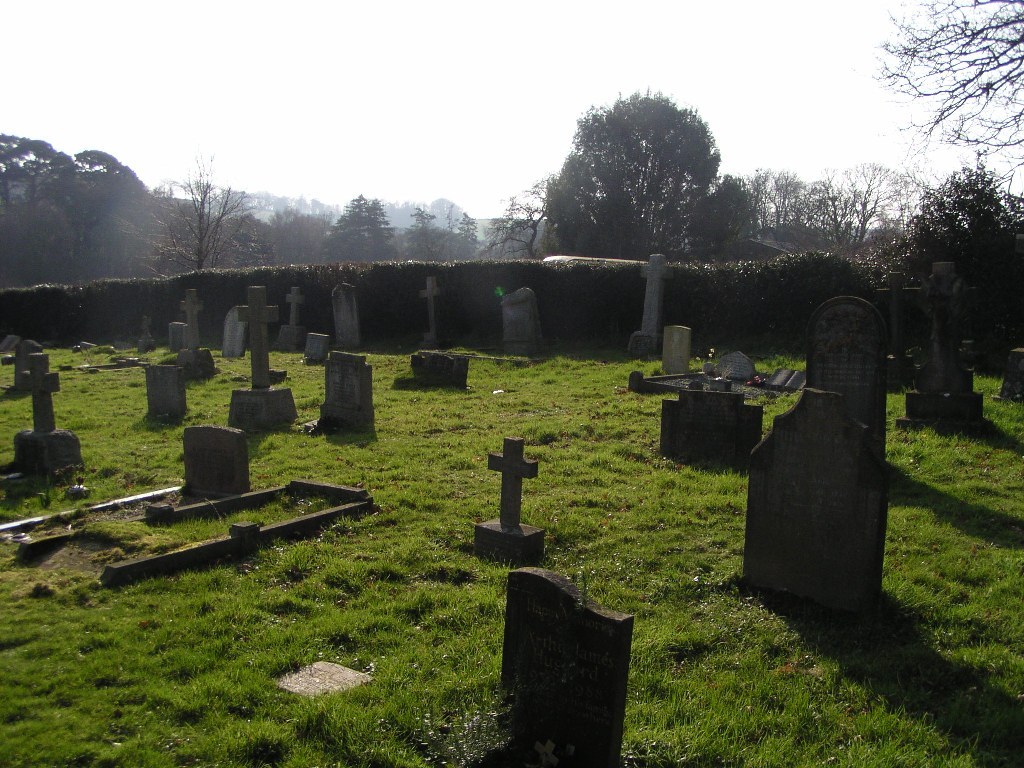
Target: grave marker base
point(642, 344)
point(46, 453)
point(255, 409)
point(946, 413)
point(524, 544)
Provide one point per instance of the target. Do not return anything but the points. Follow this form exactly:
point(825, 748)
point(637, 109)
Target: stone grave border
point(674, 383)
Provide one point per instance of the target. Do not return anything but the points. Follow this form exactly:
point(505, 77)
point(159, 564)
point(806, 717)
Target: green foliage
point(362, 233)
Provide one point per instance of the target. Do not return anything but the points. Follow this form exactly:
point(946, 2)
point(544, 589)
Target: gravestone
point(322, 677)
point(23, 352)
point(317, 347)
point(260, 407)
point(943, 395)
point(846, 354)
point(44, 450)
point(430, 293)
point(644, 343)
point(899, 365)
point(440, 370)
point(233, 344)
point(520, 323)
point(290, 337)
point(735, 366)
point(216, 461)
point(506, 538)
point(349, 388)
point(786, 380)
point(8, 344)
point(1013, 377)
point(675, 349)
point(191, 306)
point(565, 660)
point(817, 506)
point(165, 391)
point(176, 336)
point(146, 341)
point(708, 426)
point(346, 316)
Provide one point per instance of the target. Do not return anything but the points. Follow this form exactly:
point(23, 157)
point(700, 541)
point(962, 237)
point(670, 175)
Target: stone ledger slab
point(322, 677)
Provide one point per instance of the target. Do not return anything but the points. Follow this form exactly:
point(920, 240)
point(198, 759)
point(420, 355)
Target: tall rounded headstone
point(675, 349)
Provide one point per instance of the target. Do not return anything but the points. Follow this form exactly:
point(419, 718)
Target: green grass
point(181, 670)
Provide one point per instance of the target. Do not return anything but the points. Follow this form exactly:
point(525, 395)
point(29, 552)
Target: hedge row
point(578, 301)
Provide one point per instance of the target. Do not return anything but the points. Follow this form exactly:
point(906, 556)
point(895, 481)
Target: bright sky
point(471, 101)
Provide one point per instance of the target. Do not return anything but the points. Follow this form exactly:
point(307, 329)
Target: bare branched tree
point(518, 230)
point(965, 58)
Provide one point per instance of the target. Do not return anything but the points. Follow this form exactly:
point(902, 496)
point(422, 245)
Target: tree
point(633, 180)
point(724, 216)
point(965, 58)
point(362, 233)
point(423, 240)
point(517, 232)
point(200, 219)
point(298, 238)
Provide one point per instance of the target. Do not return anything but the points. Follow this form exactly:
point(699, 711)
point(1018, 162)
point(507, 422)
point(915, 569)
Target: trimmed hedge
point(596, 303)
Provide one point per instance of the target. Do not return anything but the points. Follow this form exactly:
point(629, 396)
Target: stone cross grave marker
point(235, 330)
point(45, 449)
point(290, 336)
point(165, 391)
point(295, 299)
point(506, 538)
point(257, 314)
point(817, 507)
point(216, 461)
point(520, 322)
point(191, 307)
point(565, 660)
point(645, 341)
point(346, 316)
point(899, 364)
point(349, 392)
point(846, 354)
point(43, 384)
point(430, 293)
point(715, 427)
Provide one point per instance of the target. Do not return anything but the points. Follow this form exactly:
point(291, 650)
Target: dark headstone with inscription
point(317, 347)
point(349, 388)
point(565, 660)
point(715, 427)
point(216, 461)
point(846, 353)
point(176, 336)
point(1013, 378)
point(817, 506)
point(507, 539)
point(165, 391)
point(346, 316)
point(440, 370)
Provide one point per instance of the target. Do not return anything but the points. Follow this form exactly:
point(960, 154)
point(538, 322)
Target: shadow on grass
point(410, 382)
point(158, 423)
point(890, 653)
point(974, 519)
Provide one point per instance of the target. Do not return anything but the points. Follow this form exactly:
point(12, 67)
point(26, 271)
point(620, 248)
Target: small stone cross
point(257, 314)
point(294, 298)
point(191, 306)
point(429, 293)
point(513, 468)
point(43, 385)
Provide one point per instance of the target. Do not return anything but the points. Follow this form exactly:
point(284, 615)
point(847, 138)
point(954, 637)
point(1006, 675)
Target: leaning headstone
point(291, 336)
point(346, 316)
point(430, 293)
point(506, 538)
point(715, 427)
point(146, 341)
point(786, 380)
point(165, 391)
point(317, 347)
point(23, 352)
point(846, 354)
point(565, 660)
point(349, 399)
point(8, 344)
point(440, 370)
point(216, 461)
point(735, 366)
point(235, 329)
point(817, 506)
point(520, 323)
point(675, 349)
point(44, 450)
point(644, 343)
point(1013, 377)
point(176, 336)
point(261, 407)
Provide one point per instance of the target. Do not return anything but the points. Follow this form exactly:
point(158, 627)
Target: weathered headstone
point(23, 352)
point(439, 369)
point(786, 380)
point(8, 344)
point(233, 344)
point(846, 354)
point(1013, 377)
point(506, 538)
point(565, 660)
point(146, 341)
point(644, 343)
point(349, 388)
point(165, 391)
point(317, 347)
point(191, 306)
point(197, 364)
point(817, 506)
point(346, 316)
point(714, 427)
point(291, 336)
point(899, 364)
point(260, 407)
point(735, 366)
point(216, 461)
point(520, 322)
point(44, 450)
point(430, 293)
point(675, 349)
point(176, 336)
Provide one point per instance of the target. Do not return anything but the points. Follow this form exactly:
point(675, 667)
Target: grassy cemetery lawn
point(182, 670)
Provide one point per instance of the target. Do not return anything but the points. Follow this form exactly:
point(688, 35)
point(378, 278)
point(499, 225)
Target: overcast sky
point(470, 101)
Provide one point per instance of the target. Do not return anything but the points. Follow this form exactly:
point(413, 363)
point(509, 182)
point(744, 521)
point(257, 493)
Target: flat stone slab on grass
point(322, 677)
